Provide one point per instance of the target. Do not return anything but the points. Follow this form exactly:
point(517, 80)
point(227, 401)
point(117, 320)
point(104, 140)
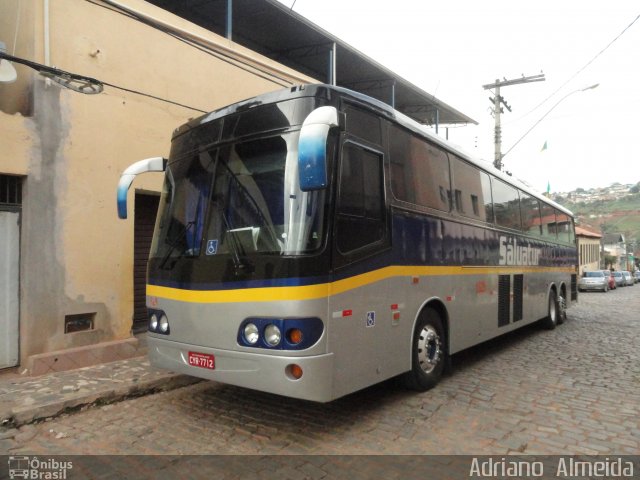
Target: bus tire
point(562, 308)
point(428, 356)
point(551, 321)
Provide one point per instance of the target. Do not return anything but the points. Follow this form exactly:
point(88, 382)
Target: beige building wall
point(589, 253)
point(76, 256)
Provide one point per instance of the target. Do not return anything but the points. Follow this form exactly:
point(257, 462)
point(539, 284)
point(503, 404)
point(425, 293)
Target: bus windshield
point(238, 199)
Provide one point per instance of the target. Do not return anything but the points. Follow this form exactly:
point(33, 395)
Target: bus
point(313, 241)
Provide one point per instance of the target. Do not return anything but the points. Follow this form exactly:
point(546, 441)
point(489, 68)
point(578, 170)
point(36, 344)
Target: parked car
point(619, 278)
point(636, 275)
point(593, 281)
point(628, 279)
point(612, 281)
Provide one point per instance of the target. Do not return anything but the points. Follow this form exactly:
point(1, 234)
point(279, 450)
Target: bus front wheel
point(429, 352)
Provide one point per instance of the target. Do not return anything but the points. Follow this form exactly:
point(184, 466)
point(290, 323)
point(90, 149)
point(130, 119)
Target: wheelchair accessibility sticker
point(371, 319)
point(212, 247)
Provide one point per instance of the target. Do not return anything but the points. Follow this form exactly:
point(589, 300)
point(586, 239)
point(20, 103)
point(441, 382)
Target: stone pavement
point(24, 400)
point(571, 391)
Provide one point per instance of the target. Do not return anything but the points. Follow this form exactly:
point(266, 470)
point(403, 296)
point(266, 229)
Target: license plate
point(202, 360)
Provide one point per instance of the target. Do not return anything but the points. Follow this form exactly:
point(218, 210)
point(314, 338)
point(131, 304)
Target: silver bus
point(314, 241)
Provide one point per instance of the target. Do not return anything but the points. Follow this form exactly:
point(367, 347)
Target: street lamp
point(548, 112)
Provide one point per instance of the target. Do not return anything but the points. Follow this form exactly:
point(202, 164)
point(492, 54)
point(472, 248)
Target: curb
point(26, 402)
point(24, 415)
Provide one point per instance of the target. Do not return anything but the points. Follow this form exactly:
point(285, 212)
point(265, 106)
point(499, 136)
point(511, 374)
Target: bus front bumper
point(258, 371)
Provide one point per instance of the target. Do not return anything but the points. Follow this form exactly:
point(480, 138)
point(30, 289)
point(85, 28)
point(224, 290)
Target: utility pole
point(497, 100)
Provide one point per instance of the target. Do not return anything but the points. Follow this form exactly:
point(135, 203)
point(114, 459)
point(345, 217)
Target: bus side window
point(472, 191)
point(486, 194)
point(363, 124)
point(506, 205)
point(548, 222)
point(360, 209)
point(565, 227)
point(419, 171)
point(530, 208)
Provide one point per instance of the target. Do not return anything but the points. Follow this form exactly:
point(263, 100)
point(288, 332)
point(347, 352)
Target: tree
point(635, 188)
point(610, 261)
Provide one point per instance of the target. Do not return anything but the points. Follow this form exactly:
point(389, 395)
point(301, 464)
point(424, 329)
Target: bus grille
point(518, 291)
point(504, 287)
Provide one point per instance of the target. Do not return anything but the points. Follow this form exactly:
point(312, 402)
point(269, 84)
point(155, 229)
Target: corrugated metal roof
point(277, 32)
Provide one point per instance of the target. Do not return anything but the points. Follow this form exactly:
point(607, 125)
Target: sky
point(450, 49)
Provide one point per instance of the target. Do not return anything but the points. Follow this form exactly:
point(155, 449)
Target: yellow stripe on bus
point(311, 292)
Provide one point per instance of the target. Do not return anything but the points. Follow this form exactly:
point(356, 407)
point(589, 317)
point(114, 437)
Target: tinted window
point(565, 227)
point(419, 171)
point(363, 124)
point(548, 214)
point(506, 205)
point(360, 199)
point(530, 209)
point(264, 118)
point(472, 191)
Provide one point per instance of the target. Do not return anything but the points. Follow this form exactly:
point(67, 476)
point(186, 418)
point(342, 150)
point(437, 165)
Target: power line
point(153, 96)
point(548, 112)
point(581, 69)
point(82, 83)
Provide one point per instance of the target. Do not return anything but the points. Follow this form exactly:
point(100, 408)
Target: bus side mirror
point(312, 148)
point(155, 164)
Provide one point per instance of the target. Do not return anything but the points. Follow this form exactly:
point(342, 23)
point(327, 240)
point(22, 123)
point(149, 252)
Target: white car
point(628, 279)
point(593, 281)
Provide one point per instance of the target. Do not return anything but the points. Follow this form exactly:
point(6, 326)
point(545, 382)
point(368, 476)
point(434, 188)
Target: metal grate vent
point(518, 291)
point(10, 190)
point(504, 300)
point(79, 322)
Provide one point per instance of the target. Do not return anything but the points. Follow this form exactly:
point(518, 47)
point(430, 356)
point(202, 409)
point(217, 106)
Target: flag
point(544, 147)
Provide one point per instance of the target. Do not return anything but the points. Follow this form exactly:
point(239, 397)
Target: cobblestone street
point(573, 390)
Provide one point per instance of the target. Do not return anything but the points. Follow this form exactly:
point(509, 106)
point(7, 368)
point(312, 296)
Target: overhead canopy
point(275, 31)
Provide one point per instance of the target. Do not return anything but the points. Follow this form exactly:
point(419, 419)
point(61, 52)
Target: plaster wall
point(76, 256)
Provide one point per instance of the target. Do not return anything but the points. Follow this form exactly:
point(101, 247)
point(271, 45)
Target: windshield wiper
point(174, 244)
point(239, 256)
point(253, 201)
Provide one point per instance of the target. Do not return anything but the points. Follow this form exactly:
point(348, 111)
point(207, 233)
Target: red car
point(612, 279)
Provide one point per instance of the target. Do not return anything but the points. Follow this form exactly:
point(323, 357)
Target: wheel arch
point(439, 307)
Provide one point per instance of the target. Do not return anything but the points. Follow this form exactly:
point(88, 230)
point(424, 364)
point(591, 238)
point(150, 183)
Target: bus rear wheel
point(562, 308)
point(428, 352)
point(556, 310)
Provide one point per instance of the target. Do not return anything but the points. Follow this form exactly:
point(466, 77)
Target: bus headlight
point(292, 333)
point(153, 322)
point(251, 333)
point(272, 335)
point(158, 321)
point(164, 324)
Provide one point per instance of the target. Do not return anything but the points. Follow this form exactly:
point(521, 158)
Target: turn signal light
point(294, 336)
point(295, 371)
